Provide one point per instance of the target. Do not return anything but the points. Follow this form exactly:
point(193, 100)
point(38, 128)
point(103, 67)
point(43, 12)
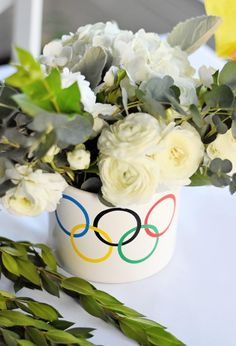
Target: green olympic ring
point(128, 260)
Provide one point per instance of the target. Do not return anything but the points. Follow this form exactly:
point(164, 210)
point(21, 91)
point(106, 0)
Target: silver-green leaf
point(193, 33)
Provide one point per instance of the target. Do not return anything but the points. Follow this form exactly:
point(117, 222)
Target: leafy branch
point(26, 322)
point(34, 266)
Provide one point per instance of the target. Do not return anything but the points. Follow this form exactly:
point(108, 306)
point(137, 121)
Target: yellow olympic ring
point(88, 259)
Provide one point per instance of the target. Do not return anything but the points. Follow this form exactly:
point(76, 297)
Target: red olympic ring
point(155, 235)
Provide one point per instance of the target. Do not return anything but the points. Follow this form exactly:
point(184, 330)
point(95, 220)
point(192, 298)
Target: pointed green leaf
point(78, 285)
point(10, 264)
point(28, 270)
point(43, 311)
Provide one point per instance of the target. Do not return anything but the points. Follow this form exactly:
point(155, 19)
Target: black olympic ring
point(106, 211)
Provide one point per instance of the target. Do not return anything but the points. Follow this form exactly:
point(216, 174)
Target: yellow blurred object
point(226, 34)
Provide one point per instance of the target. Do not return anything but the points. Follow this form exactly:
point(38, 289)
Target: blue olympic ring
point(78, 235)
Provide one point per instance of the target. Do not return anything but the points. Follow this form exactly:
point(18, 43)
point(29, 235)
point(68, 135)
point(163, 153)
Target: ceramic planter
point(114, 245)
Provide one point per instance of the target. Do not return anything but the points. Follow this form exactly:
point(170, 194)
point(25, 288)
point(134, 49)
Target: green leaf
point(77, 285)
point(215, 165)
point(68, 99)
point(92, 184)
point(43, 311)
point(81, 332)
point(92, 307)
point(36, 336)
point(131, 330)
point(26, 343)
point(220, 125)
point(196, 116)
point(226, 166)
point(6, 294)
point(9, 337)
point(62, 337)
point(10, 264)
point(228, 75)
point(193, 33)
point(13, 251)
point(162, 337)
point(28, 271)
point(47, 256)
point(16, 318)
point(92, 65)
point(69, 131)
point(49, 285)
point(26, 104)
point(199, 179)
point(220, 96)
point(59, 324)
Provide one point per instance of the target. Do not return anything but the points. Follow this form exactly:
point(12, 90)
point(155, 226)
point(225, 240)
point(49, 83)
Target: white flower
point(223, 147)
point(52, 54)
point(180, 154)
point(135, 135)
point(25, 199)
point(79, 158)
point(88, 97)
point(35, 191)
point(188, 93)
point(128, 182)
point(205, 75)
point(53, 151)
point(110, 76)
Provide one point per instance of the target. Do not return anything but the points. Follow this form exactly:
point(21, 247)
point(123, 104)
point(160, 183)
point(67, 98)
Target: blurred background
point(62, 16)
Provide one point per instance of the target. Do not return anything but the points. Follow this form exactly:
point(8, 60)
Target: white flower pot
point(114, 245)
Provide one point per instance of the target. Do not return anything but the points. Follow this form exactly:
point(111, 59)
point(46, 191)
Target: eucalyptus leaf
point(193, 33)
point(220, 125)
point(196, 116)
point(92, 65)
point(92, 184)
point(228, 75)
point(220, 96)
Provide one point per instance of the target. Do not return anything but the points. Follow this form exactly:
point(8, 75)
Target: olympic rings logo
point(150, 229)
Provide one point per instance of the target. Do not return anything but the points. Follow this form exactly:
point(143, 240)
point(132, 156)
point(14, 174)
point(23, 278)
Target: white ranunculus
point(223, 147)
point(179, 155)
point(79, 158)
point(205, 75)
point(135, 135)
point(26, 199)
point(53, 151)
point(42, 190)
point(128, 182)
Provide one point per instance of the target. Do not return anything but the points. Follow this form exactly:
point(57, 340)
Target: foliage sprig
point(34, 266)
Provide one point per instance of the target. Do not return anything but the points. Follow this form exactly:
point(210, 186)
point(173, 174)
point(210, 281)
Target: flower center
point(178, 155)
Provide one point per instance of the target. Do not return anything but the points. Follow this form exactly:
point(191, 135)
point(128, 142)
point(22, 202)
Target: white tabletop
point(194, 296)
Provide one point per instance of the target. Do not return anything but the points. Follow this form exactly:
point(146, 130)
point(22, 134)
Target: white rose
point(79, 158)
point(128, 182)
point(205, 75)
point(223, 147)
point(135, 135)
point(43, 190)
point(53, 151)
point(180, 154)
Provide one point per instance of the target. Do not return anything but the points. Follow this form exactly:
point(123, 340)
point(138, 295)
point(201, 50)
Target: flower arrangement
point(117, 113)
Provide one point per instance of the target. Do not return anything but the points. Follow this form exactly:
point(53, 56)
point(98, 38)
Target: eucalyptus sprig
point(34, 266)
point(26, 322)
